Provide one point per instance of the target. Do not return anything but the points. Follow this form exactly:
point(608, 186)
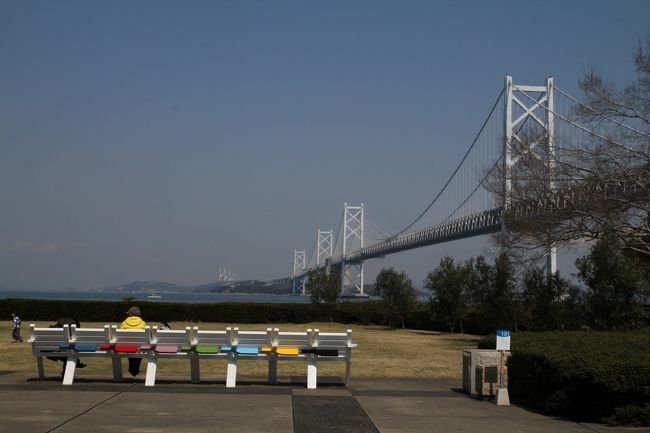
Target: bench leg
point(70, 366)
point(311, 371)
point(39, 366)
point(231, 375)
point(195, 367)
point(273, 368)
point(348, 367)
point(117, 367)
point(152, 366)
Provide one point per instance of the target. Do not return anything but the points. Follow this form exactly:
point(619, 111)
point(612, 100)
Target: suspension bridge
point(465, 206)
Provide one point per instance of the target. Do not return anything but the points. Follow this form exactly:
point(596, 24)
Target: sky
point(162, 140)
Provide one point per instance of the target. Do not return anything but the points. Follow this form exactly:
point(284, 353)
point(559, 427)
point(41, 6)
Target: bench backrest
point(334, 340)
point(47, 339)
point(292, 339)
point(252, 338)
point(130, 336)
point(210, 338)
point(50, 339)
point(315, 338)
point(170, 336)
point(89, 336)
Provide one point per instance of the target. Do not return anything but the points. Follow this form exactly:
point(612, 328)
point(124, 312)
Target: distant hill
point(248, 286)
point(147, 286)
point(253, 286)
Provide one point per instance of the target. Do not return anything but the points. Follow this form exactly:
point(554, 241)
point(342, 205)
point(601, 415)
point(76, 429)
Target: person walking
point(133, 321)
point(15, 331)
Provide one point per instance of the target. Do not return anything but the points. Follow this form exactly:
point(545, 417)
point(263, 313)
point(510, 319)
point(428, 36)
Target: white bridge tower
point(352, 272)
point(298, 270)
point(324, 246)
point(518, 109)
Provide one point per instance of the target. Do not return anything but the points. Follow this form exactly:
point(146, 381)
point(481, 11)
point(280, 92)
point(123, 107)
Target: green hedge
point(584, 375)
point(362, 313)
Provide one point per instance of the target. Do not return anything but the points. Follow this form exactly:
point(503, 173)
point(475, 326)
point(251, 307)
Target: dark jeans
point(134, 366)
point(15, 334)
point(65, 361)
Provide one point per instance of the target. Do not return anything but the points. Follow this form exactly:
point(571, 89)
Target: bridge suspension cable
point(611, 119)
point(311, 256)
point(577, 125)
point(338, 232)
point(376, 226)
point(453, 174)
point(481, 183)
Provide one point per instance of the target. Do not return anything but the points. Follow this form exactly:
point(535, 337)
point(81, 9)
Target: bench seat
point(287, 351)
point(79, 347)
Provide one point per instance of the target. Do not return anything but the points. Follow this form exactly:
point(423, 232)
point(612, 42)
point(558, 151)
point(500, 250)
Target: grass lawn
point(381, 352)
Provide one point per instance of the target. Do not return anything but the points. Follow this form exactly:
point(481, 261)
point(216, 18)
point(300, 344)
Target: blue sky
point(163, 140)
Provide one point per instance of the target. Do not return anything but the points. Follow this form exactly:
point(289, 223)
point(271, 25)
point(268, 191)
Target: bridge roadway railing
point(473, 225)
point(482, 223)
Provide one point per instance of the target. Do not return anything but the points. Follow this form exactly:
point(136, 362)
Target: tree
point(614, 296)
point(591, 183)
point(493, 289)
point(449, 284)
point(325, 289)
point(398, 295)
point(550, 301)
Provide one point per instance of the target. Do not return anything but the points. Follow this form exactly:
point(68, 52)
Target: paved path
point(95, 404)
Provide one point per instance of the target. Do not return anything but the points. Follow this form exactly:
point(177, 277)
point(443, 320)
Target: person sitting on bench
point(133, 321)
point(59, 324)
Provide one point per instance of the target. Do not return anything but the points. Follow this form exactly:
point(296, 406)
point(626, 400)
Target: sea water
point(182, 297)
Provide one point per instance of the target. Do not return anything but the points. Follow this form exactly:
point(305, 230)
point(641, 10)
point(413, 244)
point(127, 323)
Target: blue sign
point(503, 339)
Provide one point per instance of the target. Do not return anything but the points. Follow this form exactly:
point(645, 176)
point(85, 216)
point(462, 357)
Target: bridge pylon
point(325, 246)
point(352, 271)
point(298, 280)
point(519, 110)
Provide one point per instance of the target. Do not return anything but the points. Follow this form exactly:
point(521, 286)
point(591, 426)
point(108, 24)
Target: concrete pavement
point(96, 404)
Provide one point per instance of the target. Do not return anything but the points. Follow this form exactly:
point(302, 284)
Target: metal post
point(507, 147)
point(507, 159)
point(551, 257)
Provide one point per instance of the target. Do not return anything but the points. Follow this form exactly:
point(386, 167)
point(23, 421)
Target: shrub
point(591, 376)
point(362, 313)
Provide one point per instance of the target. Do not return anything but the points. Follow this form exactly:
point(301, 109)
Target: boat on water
point(154, 295)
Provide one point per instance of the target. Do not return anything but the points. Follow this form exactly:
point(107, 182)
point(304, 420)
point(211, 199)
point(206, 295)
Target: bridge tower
point(324, 246)
point(298, 269)
point(541, 113)
point(352, 272)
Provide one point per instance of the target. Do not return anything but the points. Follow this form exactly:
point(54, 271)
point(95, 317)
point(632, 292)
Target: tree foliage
point(450, 291)
point(615, 299)
point(484, 292)
point(550, 302)
point(325, 289)
point(495, 288)
point(398, 295)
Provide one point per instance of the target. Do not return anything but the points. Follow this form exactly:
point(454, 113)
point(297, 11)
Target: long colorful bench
point(191, 344)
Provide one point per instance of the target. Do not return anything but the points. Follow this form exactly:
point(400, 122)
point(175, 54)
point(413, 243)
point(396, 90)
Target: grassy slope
point(381, 352)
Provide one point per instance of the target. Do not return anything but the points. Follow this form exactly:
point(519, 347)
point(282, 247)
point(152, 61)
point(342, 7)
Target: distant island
point(161, 287)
